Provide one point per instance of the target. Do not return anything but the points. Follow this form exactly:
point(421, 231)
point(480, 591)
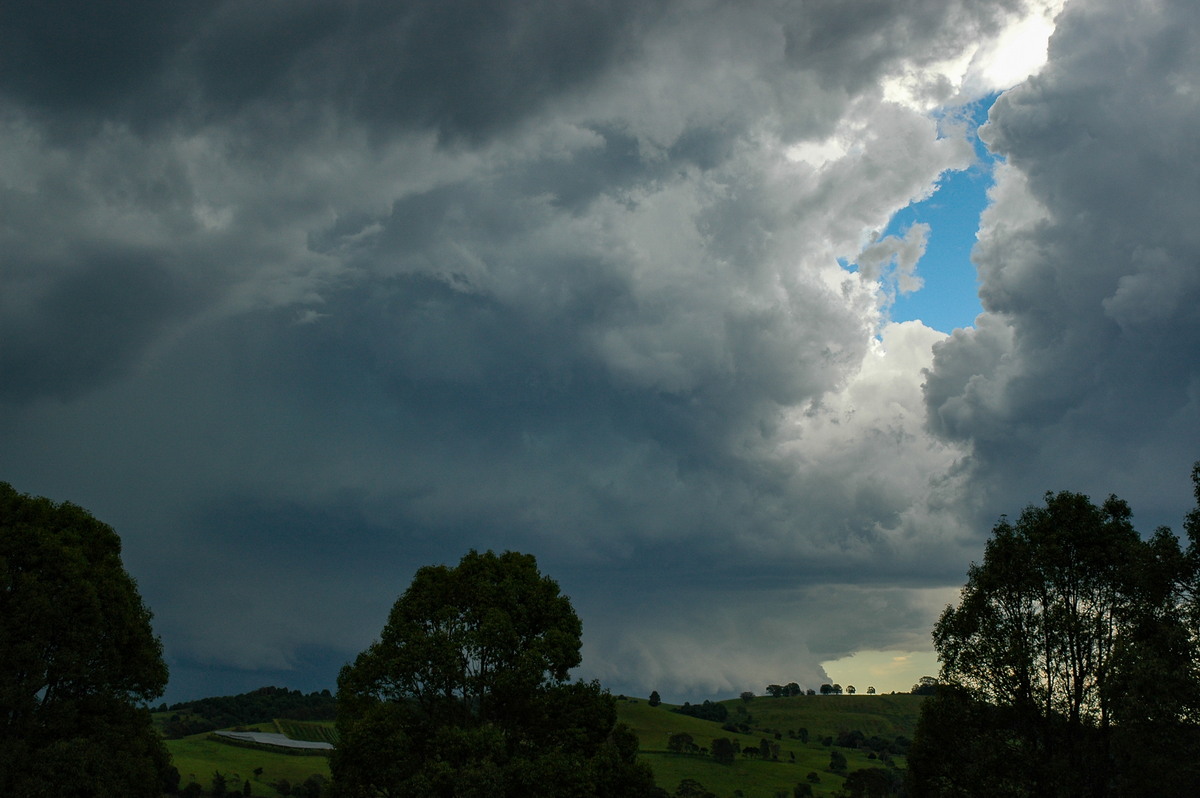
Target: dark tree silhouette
point(1069, 665)
point(78, 658)
point(466, 693)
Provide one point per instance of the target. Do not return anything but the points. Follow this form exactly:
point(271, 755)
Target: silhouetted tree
point(1068, 657)
point(723, 750)
point(690, 788)
point(466, 692)
point(680, 743)
point(871, 783)
point(926, 685)
point(78, 659)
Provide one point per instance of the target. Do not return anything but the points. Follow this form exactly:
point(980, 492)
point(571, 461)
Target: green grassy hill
point(884, 715)
point(887, 717)
point(197, 757)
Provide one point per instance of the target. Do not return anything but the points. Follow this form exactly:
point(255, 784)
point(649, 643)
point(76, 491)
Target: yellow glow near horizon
point(886, 671)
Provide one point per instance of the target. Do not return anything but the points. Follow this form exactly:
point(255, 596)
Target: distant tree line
point(1071, 665)
point(709, 710)
point(257, 706)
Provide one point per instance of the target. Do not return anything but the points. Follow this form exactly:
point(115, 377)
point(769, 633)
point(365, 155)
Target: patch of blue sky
point(949, 297)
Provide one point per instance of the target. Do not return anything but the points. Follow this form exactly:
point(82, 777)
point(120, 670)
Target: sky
point(748, 320)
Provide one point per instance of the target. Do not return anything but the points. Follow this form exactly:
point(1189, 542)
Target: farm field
point(197, 757)
point(888, 716)
point(823, 716)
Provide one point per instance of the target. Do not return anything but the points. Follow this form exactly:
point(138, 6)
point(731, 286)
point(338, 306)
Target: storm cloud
point(303, 296)
point(1082, 371)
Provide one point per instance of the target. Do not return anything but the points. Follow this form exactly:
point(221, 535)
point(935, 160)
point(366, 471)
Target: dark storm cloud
point(462, 67)
point(88, 326)
point(302, 296)
point(76, 57)
point(1082, 372)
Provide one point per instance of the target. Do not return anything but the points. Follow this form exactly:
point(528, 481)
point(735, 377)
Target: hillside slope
point(825, 718)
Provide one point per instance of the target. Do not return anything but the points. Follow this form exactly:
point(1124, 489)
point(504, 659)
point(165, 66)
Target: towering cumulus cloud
point(1083, 369)
point(302, 296)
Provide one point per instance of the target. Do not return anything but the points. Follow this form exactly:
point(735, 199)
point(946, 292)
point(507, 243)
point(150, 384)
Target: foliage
point(926, 685)
point(873, 783)
point(690, 788)
point(709, 710)
point(723, 750)
point(681, 743)
point(79, 658)
point(257, 706)
point(466, 693)
point(781, 690)
point(1069, 655)
point(655, 699)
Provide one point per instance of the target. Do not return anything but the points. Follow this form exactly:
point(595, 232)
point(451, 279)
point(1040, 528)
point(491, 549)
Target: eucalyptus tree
point(466, 693)
point(78, 658)
point(1069, 649)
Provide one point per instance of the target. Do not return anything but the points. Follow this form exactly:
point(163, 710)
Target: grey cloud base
point(302, 297)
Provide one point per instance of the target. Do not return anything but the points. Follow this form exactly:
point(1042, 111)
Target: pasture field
point(823, 716)
point(198, 757)
point(888, 716)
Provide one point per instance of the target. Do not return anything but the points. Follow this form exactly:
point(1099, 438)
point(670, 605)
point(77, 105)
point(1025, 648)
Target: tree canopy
point(1069, 666)
point(79, 658)
point(466, 693)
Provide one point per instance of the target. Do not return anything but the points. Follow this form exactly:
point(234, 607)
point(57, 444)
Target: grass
point(197, 758)
point(886, 716)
